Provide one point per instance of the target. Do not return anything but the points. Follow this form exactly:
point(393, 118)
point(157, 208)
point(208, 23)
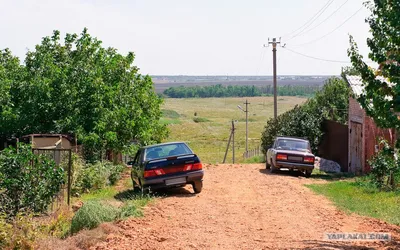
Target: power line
point(333, 13)
point(312, 21)
point(330, 31)
point(326, 4)
point(261, 61)
point(316, 58)
point(321, 59)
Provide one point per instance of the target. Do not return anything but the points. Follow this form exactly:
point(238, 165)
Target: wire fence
point(253, 152)
point(63, 159)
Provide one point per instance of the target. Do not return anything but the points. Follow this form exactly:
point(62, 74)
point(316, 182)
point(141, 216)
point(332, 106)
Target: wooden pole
point(227, 147)
point(233, 142)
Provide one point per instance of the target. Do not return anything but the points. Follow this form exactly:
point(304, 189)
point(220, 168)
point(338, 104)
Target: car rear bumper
point(181, 180)
point(294, 165)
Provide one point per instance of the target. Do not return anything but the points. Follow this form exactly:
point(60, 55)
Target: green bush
point(384, 168)
point(92, 214)
point(28, 182)
point(96, 176)
point(115, 173)
point(298, 122)
point(306, 121)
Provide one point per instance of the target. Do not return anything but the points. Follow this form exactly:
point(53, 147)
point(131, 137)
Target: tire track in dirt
point(244, 207)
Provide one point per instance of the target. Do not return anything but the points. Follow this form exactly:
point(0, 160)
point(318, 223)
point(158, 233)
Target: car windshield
point(288, 144)
point(168, 150)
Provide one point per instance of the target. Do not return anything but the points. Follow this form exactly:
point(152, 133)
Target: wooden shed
point(50, 140)
point(364, 134)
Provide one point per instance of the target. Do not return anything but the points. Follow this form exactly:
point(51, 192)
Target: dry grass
point(209, 139)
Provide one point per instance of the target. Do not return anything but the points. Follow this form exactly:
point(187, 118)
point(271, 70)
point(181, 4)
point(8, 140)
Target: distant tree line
point(239, 91)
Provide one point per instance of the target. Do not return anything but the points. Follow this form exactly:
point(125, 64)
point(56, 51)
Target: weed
point(130, 209)
point(255, 159)
point(92, 214)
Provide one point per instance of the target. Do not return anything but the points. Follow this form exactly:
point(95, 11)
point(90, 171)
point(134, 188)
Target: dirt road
point(244, 207)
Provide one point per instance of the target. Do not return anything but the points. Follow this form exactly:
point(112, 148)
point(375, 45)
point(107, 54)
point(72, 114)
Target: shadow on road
point(283, 172)
point(174, 192)
point(131, 194)
point(315, 175)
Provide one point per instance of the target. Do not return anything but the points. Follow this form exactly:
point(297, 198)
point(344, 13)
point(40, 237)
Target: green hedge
point(306, 121)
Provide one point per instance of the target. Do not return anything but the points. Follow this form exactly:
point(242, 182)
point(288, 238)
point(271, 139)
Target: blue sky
point(193, 37)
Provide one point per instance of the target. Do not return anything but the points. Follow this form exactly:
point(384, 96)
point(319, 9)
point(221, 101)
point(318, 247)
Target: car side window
point(137, 156)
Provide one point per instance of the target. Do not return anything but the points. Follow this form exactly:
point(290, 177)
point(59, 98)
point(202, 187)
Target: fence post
point(69, 178)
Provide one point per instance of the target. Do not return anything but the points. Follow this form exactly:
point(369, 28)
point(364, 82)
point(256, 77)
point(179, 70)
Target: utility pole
point(247, 119)
point(231, 137)
point(274, 43)
point(233, 141)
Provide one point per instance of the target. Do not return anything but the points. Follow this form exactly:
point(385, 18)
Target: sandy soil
point(244, 207)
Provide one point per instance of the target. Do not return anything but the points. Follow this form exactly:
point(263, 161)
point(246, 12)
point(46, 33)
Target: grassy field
point(207, 133)
point(353, 197)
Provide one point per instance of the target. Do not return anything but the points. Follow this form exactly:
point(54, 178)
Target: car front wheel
point(267, 166)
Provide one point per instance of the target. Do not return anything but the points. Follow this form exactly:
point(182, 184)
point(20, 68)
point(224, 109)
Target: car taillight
point(281, 157)
point(308, 159)
point(152, 173)
point(195, 166)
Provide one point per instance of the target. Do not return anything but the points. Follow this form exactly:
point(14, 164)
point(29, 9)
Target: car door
point(270, 152)
point(136, 168)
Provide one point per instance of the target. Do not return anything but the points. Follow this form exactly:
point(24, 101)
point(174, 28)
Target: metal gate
point(356, 135)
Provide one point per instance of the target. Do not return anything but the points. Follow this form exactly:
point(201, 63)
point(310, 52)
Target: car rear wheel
point(272, 168)
point(308, 173)
point(197, 187)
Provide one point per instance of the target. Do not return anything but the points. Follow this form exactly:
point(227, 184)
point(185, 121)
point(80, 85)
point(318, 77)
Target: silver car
point(290, 153)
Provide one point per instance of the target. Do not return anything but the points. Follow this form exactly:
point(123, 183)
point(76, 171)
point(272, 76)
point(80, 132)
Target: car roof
point(163, 144)
point(291, 138)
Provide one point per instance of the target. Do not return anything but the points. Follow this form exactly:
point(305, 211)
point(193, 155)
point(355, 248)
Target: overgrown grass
point(361, 198)
point(108, 205)
point(200, 119)
point(168, 113)
point(318, 174)
point(255, 159)
point(167, 121)
point(102, 194)
point(92, 214)
point(209, 139)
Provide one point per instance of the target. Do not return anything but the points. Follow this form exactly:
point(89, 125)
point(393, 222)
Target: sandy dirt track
point(244, 207)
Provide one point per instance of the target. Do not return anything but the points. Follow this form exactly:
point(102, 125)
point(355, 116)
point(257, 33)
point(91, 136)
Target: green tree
point(381, 100)
point(76, 86)
point(306, 120)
